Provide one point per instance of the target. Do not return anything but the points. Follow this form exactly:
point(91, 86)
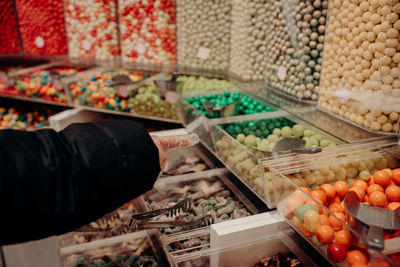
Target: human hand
point(166, 142)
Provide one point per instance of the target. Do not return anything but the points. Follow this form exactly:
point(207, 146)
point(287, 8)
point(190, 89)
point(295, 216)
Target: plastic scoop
point(165, 86)
point(291, 145)
point(124, 86)
point(370, 221)
point(223, 111)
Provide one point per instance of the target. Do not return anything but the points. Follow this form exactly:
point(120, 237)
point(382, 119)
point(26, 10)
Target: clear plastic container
point(43, 81)
point(92, 29)
point(137, 94)
point(238, 143)
point(267, 239)
point(147, 31)
point(9, 34)
point(133, 247)
point(203, 34)
point(42, 27)
point(360, 82)
point(297, 178)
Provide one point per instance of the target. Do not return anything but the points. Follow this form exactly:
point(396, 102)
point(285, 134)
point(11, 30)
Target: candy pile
point(44, 84)
point(149, 102)
point(18, 118)
point(9, 42)
point(250, 46)
point(210, 197)
point(361, 60)
point(298, 67)
point(42, 27)
point(282, 259)
point(203, 30)
point(196, 85)
point(329, 229)
point(245, 104)
point(92, 29)
point(147, 31)
point(96, 91)
point(137, 252)
point(112, 224)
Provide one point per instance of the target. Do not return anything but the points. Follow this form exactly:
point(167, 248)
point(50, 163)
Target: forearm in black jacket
point(51, 183)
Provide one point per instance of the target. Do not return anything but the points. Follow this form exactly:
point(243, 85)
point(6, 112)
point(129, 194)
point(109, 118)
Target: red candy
point(9, 42)
point(42, 27)
point(147, 31)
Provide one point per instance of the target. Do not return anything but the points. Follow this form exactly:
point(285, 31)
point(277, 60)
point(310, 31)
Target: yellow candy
point(311, 220)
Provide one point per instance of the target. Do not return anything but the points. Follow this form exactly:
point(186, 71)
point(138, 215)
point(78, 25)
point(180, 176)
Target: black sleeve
point(51, 183)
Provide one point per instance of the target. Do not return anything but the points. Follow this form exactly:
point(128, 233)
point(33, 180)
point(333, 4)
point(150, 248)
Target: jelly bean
point(42, 27)
point(311, 220)
point(300, 211)
point(9, 41)
point(42, 84)
point(92, 29)
point(24, 118)
point(147, 31)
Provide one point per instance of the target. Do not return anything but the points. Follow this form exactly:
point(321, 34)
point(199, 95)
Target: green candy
point(302, 209)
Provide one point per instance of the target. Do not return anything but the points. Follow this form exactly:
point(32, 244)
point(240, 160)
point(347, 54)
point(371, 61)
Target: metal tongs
point(370, 221)
point(165, 86)
point(222, 111)
point(142, 220)
point(291, 145)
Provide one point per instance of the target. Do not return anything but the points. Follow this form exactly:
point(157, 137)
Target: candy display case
point(42, 27)
point(120, 91)
point(92, 29)
point(9, 36)
point(203, 34)
point(223, 244)
point(360, 80)
point(293, 61)
point(42, 83)
point(148, 31)
point(133, 249)
point(311, 192)
point(240, 144)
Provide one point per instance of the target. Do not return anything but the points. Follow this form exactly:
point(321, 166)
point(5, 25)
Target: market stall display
point(240, 145)
point(9, 39)
point(203, 29)
point(360, 81)
point(42, 27)
point(92, 30)
point(148, 31)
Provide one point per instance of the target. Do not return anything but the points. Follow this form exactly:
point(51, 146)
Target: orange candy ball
point(335, 223)
point(373, 188)
point(325, 234)
point(336, 207)
point(393, 193)
point(323, 219)
point(393, 205)
point(360, 183)
point(343, 237)
point(396, 176)
point(382, 178)
point(341, 188)
point(378, 199)
point(356, 256)
point(319, 194)
point(329, 190)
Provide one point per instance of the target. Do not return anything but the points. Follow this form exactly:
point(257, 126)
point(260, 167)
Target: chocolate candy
point(147, 31)
point(42, 27)
point(9, 41)
point(92, 29)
